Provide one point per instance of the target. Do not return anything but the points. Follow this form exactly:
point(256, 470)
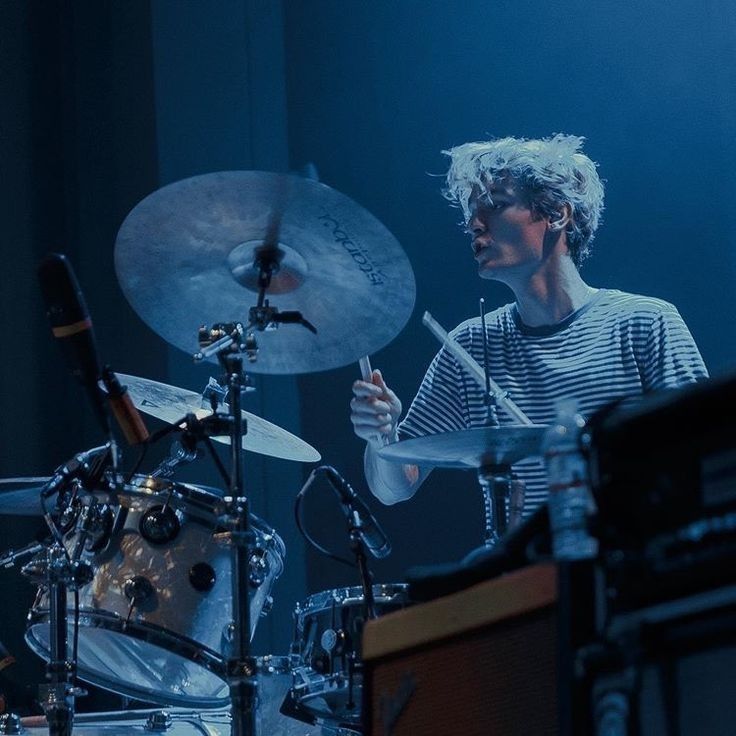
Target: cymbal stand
point(495, 485)
point(503, 501)
point(241, 665)
point(227, 341)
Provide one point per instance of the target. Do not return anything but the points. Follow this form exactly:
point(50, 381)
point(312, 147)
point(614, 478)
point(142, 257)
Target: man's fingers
point(368, 429)
point(363, 406)
point(364, 390)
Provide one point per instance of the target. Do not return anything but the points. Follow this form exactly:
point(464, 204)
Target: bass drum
point(155, 622)
point(326, 659)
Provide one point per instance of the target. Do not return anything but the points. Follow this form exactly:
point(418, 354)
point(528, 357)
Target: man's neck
point(552, 294)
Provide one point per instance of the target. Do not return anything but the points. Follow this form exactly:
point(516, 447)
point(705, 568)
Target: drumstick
point(367, 374)
point(365, 369)
point(475, 371)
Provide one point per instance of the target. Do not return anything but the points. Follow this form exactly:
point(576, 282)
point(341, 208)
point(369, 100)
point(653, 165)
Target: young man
point(531, 210)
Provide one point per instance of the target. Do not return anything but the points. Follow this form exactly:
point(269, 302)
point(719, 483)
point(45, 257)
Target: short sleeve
point(671, 358)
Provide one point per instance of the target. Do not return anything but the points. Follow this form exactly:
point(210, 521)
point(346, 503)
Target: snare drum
point(156, 620)
point(327, 665)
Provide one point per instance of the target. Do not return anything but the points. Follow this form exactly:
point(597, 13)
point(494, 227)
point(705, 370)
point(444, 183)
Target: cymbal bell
point(171, 403)
point(188, 254)
point(469, 448)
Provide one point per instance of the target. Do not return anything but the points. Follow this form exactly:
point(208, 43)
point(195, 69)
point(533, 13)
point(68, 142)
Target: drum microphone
point(370, 532)
point(72, 327)
point(129, 419)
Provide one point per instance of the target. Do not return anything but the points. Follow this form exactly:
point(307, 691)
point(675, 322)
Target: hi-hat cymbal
point(21, 496)
point(185, 257)
point(171, 403)
point(469, 448)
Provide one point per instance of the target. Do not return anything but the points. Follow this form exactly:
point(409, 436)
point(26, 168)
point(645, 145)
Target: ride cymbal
point(186, 256)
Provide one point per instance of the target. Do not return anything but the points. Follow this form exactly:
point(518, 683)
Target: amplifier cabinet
point(481, 662)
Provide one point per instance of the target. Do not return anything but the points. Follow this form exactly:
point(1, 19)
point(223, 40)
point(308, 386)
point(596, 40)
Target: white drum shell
point(170, 648)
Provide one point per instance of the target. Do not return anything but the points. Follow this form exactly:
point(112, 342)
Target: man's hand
point(375, 411)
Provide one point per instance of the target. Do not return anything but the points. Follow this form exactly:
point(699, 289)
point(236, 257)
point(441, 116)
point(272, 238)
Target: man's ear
point(561, 219)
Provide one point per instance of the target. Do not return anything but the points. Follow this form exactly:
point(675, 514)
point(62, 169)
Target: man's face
point(507, 237)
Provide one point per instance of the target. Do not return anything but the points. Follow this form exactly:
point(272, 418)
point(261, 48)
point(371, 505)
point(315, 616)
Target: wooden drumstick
point(367, 373)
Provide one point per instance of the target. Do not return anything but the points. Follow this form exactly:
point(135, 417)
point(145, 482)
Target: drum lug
point(10, 723)
point(259, 568)
point(267, 606)
point(159, 721)
point(160, 525)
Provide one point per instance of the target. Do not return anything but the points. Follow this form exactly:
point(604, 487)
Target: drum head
point(140, 669)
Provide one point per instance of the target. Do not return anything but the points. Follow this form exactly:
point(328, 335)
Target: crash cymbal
point(21, 496)
point(469, 448)
point(185, 257)
point(171, 403)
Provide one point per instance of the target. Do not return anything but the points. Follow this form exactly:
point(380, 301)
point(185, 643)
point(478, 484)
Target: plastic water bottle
point(570, 499)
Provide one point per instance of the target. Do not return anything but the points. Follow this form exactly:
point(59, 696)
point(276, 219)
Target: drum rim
point(191, 500)
point(170, 642)
point(382, 592)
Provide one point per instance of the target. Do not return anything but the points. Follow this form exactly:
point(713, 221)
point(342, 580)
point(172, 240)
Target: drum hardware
point(489, 457)
point(503, 501)
point(241, 665)
point(326, 664)
point(65, 572)
point(491, 395)
point(160, 524)
point(326, 659)
point(10, 723)
point(490, 451)
point(181, 452)
point(58, 697)
point(10, 557)
point(172, 649)
point(278, 268)
point(138, 590)
point(159, 721)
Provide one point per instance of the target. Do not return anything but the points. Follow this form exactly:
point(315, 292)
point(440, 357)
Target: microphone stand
point(357, 547)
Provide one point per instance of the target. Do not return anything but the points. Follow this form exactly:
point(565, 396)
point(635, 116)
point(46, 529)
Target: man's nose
point(476, 226)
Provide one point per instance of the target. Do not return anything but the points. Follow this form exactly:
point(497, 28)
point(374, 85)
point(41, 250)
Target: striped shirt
point(616, 345)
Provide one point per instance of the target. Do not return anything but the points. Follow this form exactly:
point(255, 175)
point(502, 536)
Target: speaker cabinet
point(479, 662)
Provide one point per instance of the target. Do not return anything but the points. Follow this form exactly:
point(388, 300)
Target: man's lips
point(479, 249)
